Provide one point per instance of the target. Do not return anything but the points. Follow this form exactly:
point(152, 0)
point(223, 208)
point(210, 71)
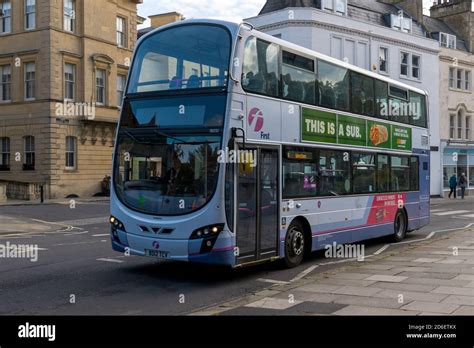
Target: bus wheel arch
point(298, 230)
point(400, 225)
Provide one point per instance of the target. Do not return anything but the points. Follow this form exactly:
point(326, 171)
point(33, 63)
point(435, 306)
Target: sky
point(232, 10)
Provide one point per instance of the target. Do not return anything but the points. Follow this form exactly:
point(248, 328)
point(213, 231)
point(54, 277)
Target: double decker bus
point(235, 147)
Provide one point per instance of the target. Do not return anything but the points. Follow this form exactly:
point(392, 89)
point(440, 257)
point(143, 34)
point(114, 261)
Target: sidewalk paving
point(433, 277)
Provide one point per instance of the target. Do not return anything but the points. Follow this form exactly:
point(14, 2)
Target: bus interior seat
point(193, 82)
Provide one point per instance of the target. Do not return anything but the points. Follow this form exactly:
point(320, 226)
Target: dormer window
point(401, 23)
point(447, 40)
point(335, 6)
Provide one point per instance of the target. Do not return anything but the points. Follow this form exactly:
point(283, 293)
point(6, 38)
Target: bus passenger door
point(258, 208)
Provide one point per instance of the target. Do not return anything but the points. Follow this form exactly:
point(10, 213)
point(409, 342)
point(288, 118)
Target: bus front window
point(183, 57)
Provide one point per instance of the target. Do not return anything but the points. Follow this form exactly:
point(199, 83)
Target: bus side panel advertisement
point(326, 127)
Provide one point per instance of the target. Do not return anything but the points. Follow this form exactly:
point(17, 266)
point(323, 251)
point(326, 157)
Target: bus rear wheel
point(399, 226)
point(294, 245)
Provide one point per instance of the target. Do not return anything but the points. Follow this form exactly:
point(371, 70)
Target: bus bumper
point(172, 249)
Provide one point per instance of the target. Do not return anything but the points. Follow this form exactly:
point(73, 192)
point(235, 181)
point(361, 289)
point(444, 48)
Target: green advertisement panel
point(319, 126)
point(327, 127)
point(351, 131)
point(401, 138)
point(379, 135)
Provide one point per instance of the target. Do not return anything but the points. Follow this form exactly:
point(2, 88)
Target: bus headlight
point(207, 231)
point(116, 223)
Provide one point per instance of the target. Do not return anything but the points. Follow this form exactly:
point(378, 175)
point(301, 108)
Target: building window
point(415, 67)
point(100, 86)
point(71, 153)
point(30, 79)
point(468, 128)
point(4, 154)
point(121, 80)
point(69, 81)
point(401, 23)
point(459, 125)
point(452, 126)
point(460, 79)
point(404, 64)
point(410, 65)
point(5, 83)
point(336, 6)
point(5, 17)
point(69, 15)
point(29, 158)
point(452, 72)
point(121, 30)
point(383, 59)
point(447, 40)
point(30, 14)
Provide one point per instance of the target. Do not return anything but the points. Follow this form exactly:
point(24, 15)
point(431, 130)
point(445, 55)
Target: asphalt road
point(78, 273)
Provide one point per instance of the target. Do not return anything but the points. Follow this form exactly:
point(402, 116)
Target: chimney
point(459, 16)
point(162, 19)
point(413, 7)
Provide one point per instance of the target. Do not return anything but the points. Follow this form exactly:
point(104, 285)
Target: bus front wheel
point(294, 244)
point(400, 227)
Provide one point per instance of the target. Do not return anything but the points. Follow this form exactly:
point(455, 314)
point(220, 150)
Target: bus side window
point(333, 82)
point(261, 67)
point(362, 94)
point(298, 78)
point(418, 110)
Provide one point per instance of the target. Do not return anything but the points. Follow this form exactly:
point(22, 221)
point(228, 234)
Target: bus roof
point(234, 27)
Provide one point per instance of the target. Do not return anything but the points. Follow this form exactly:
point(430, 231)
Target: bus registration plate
point(157, 253)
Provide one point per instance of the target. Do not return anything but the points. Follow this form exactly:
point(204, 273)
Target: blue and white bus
point(235, 147)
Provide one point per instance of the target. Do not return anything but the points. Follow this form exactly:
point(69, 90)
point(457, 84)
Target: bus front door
point(257, 210)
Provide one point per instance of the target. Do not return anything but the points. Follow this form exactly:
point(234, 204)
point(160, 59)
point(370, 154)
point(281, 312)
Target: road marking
point(304, 273)
point(468, 216)
point(453, 212)
point(85, 222)
point(382, 249)
point(101, 235)
point(437, 210)
point(110, 260)
point(272, 281)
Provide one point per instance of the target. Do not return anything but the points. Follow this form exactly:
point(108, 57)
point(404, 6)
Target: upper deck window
point(183, 57)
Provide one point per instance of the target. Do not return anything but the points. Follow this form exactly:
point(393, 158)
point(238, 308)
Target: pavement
point(77, 272)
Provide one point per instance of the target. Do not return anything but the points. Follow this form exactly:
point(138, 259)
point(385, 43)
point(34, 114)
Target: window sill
point(30, 99)
point(71, 170)
point(460, 90)
point(402, 77)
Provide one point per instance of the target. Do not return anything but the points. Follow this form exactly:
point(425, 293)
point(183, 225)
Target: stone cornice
point(449, 59)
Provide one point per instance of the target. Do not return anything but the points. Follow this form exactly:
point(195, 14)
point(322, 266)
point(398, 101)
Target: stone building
point(451, 23)
point(63, 68)
point(385, 36)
